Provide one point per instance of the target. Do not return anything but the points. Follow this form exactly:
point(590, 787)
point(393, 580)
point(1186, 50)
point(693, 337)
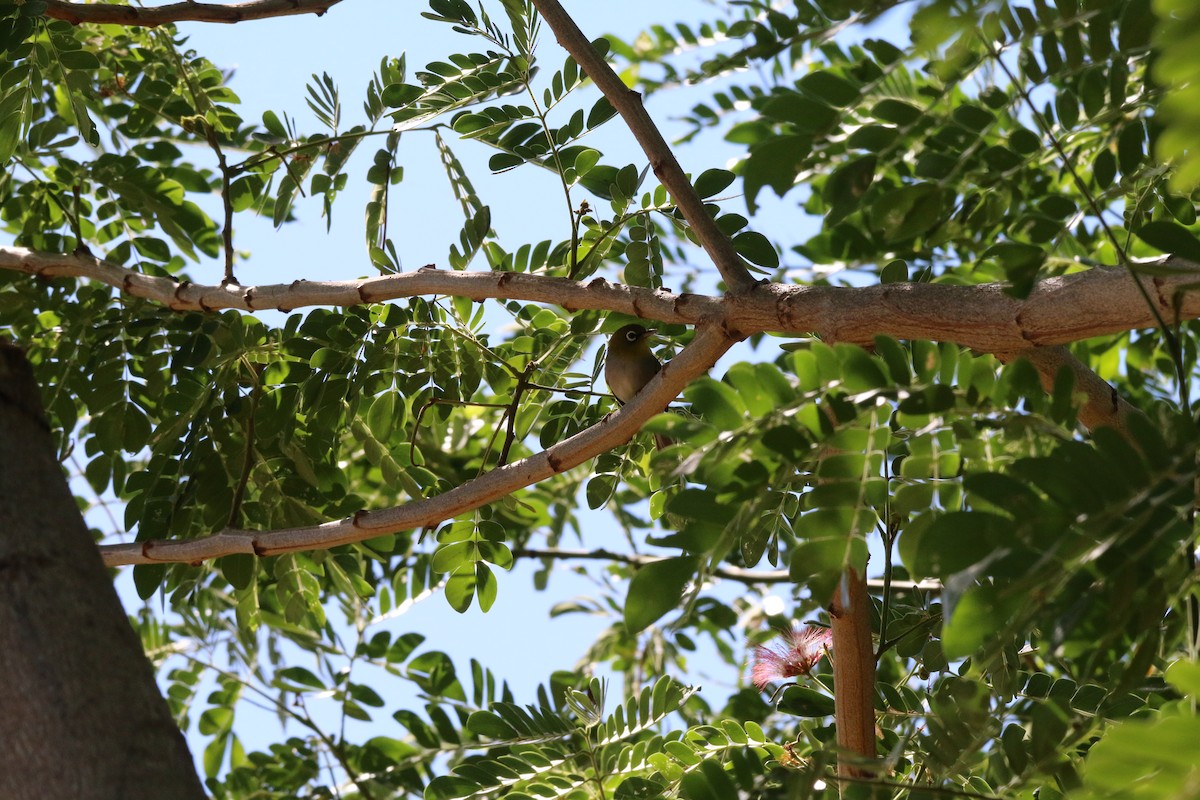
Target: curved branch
point(1101, 406)
point(696, 358)
point(188, 11)
point(628, 104)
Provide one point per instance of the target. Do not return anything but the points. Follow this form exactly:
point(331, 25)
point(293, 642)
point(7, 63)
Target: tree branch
point(1060, 310)
point(709, 344)
point(628, 104)
point(598, 293)
point(853, 675)
point(1101, 406)
point(749, 577)
point(77, 13)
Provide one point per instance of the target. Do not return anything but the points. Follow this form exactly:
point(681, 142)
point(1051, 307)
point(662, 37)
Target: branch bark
point(1060, 310)
point(628, 104)
point(97, 13)
point(708, 345)
point(1101, 407)
point(853, 675)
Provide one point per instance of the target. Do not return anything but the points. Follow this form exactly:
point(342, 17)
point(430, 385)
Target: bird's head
point(631, 339)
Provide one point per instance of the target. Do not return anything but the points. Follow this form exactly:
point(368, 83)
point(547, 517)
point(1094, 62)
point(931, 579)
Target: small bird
point(630, 365)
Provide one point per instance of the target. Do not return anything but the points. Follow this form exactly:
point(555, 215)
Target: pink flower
point(802, 649)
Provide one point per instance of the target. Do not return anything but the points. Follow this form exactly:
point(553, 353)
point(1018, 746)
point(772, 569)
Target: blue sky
point(272, 62)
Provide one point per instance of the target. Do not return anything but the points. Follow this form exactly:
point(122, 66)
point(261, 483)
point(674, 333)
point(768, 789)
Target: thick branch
point(708, 345)
point(628, 104)
point(1059, 311)
point(77, 13)
point(853, 674)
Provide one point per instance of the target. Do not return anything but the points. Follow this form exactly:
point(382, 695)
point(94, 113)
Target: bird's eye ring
point(632, 336)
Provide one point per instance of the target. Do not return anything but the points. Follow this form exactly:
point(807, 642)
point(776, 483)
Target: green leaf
point(1171, 237)
point(980, 614)
point(1185, 676)
point(636, 788)
point(238, 569)
point(756, 248)
point(845, 188)
point(860, 370)
point(801, 701)
point(486, 586)
point(894, 272)
point(656, 589)
point(298, 679)
point(953, 542)
point(712, 181)
point(147, 578)
point(908, 211)
point(491, 725)
point(398, 95)
point(700, 504)
point(716, 402)
point(460, 588)
point(599, 490)
point(775, 163)
point(1021, 263)
point(831, 88)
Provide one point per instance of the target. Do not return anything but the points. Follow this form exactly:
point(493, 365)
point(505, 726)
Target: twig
point(747, 576)
point(510, 435)
point(239, 494)
point(226, 202)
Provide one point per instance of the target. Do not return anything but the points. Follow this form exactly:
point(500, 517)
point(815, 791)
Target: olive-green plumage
point(630, 365)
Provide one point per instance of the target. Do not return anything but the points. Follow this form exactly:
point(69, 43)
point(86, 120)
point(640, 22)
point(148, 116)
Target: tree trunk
point(80, 713)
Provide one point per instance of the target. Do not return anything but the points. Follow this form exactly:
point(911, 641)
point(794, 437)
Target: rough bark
point(83, 717)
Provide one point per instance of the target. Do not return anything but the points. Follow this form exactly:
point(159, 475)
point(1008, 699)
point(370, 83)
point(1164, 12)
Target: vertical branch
point(853, 674)
point(227, 203)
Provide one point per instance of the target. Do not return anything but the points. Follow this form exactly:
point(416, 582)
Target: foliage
point(1009, 141)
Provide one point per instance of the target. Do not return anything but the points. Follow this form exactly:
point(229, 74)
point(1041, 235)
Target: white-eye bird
point(630, 365)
